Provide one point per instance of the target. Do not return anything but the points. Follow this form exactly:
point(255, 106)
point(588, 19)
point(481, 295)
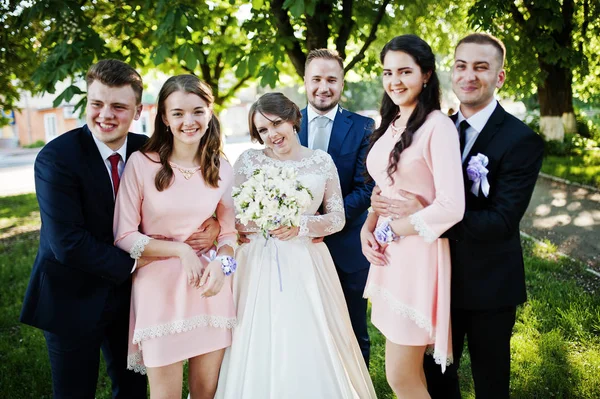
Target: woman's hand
point(285, 233)
point(192, 265)
point(212, 279)
point(371, 248)
point(396, 209)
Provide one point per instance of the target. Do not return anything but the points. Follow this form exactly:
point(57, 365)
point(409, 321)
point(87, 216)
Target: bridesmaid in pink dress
point(416, 151)
point(181, 304)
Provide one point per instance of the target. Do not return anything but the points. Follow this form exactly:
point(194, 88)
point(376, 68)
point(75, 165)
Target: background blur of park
point(245, 48)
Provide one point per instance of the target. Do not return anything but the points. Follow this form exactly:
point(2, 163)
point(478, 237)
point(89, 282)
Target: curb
point(561, 254)
point(565, 181)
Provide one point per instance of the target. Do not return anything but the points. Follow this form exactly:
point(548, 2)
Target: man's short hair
point(485, 38)
point(115, 73)
point(325, 54)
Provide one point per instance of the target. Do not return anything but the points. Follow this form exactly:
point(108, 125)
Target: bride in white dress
point(294, 338)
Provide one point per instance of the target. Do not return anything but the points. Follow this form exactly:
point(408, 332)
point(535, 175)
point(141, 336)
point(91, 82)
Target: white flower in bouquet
point(272, 197)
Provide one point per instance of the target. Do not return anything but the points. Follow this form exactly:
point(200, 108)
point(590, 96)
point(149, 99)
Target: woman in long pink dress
point(181, 304)
point(415, 150)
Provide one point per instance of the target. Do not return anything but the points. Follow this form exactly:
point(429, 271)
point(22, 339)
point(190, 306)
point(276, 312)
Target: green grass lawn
point(555, 346)
point(584, 169)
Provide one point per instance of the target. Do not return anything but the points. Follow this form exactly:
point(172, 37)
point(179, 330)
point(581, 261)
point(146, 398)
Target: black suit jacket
point(77, 264)
point(348, 148)
point(487, 259)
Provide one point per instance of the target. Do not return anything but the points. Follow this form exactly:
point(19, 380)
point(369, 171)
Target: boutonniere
point(477, 173)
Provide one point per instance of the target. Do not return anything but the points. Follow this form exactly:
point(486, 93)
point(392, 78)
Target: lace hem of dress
point(135, 363)
point(439, 358)
point(424, 231)
point(400, 308)
point(180, 326)
point(139, 246)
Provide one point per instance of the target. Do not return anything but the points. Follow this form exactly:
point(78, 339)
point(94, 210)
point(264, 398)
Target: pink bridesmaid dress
point(410, 296)
point(169, 320)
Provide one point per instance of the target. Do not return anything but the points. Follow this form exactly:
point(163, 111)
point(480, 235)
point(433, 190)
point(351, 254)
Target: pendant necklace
point(187, 173)
point(397, 131)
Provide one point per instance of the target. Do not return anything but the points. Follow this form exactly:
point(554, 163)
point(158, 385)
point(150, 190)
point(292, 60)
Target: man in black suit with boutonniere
point(501, 161)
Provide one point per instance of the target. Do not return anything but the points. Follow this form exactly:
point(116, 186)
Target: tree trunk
point(556, 98)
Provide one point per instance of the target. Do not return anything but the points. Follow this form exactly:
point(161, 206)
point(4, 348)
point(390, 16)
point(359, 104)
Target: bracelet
point(228, 264)
point(384, 233)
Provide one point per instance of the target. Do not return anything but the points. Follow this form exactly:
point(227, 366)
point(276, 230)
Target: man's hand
point(243, 238)
point(396, 209)
point(204, 238)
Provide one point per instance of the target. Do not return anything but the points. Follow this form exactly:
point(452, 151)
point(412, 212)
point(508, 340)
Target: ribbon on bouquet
point(277, 259)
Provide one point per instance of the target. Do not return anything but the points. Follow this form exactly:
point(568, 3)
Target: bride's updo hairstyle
point(274, 104)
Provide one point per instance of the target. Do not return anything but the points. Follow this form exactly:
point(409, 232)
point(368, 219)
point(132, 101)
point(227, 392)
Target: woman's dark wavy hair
point(274, 104)
point(161, 142)
point(427, 101)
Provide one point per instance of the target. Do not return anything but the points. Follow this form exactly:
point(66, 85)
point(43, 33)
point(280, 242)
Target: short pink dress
point(169, 320)
point(411, 295)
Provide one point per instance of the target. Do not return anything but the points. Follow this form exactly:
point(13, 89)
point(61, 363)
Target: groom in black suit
point(488, 278)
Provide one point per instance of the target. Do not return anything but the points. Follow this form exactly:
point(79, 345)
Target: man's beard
point(324, 108)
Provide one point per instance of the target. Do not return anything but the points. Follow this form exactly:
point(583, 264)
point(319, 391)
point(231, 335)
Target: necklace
point(187, 173)
point(396, 131)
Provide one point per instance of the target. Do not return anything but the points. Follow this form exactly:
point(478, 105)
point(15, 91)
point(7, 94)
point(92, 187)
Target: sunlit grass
point(584, 169)
point(555, 345)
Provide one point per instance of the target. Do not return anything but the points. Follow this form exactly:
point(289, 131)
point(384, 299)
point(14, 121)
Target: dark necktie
point(114, 171)
point(462, 134)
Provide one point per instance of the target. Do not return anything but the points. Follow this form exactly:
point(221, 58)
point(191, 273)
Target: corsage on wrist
point(384, 233)
point(228, 263)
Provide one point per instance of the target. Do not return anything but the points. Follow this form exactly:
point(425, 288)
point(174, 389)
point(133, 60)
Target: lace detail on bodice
point(318, 173)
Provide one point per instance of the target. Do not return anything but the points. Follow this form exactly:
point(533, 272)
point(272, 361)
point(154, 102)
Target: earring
point(168, 128)
point(424, 84)
point(295, 131)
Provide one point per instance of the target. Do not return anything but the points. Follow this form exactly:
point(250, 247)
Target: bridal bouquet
point(271, 198)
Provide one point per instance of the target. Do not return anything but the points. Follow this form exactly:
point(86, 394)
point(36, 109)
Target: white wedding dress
point(294, 339)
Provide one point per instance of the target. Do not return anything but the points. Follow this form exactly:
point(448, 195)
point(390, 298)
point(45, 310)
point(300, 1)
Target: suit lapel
point(339, 131)
point(303, 133)
point(489, 131)
point(99, 174)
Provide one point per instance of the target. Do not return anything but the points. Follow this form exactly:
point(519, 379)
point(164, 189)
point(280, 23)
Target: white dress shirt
point(476, 124)
point(311, 114)
point(106, 152)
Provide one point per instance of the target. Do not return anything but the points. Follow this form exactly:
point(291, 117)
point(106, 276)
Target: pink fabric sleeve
point(225, 209)
point(442, 155)
point(128, 207)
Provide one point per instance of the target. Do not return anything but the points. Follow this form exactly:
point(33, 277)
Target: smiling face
point(187, 115)
point(324, 82)
point(110, 112)
point(277, 134)
point(476, 74)
point(402, 79)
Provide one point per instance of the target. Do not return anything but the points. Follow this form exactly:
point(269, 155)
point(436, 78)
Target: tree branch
point(584, 25)
point(285, 29)
point(233, 89)
point(372, 36)
point(345, 28)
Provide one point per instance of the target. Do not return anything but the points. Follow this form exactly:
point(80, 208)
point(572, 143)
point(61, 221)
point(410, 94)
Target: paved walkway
point(566, 215)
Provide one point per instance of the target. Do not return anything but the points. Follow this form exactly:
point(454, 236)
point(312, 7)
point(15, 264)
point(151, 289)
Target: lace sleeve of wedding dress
point(333, 218)
point(243, 169)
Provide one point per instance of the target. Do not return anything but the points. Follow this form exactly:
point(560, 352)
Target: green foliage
point(362, 95)
point(35, 144)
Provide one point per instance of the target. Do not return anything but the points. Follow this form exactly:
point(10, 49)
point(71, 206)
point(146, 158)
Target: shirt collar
point(479, 120)
point(106, 152)
point(312, 114)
